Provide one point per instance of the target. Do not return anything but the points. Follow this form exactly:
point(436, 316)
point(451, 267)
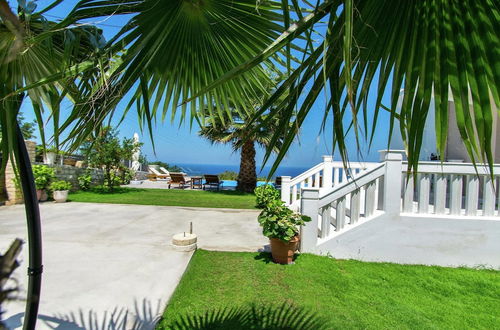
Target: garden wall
point(70, 173)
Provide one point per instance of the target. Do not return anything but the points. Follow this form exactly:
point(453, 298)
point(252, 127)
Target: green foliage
point(126, 174)
point(85, 181)
point(105, 150)
point(228, 175)
point(278, 221)
point(170, 168)
point(60, 185)
point(266, 194)
point(44, 175)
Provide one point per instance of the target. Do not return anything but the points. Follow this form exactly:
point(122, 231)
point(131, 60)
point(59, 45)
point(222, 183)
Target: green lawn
point(227, 290)
point(168, 197)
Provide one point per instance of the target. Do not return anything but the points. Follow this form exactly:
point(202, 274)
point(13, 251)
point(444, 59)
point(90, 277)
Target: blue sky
point(176, 143)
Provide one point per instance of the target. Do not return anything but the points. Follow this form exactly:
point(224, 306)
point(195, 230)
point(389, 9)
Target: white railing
point(324, 176)
point(445, 190)
point(353, 201)
point(452, 189)
point(360, 198)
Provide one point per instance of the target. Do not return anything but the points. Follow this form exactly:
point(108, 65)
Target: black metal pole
point(35, 267)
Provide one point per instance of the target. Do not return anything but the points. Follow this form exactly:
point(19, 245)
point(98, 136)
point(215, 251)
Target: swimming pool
point(234, 183)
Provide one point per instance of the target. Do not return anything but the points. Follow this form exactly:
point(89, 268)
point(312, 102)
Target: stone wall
point(13, 193)
point(71, 174)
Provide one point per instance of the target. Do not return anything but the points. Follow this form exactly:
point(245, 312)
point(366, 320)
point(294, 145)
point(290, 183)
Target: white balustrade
point(452, 189)
point(362, 193)
point(325, 176)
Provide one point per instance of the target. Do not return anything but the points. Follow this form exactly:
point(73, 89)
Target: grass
point(168, 197)
point(218, 288)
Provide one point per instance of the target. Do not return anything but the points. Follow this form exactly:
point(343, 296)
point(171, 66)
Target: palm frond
point(437, 49)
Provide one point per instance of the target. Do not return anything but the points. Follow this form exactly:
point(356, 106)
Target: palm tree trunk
point(247, 178)
point(34, 232)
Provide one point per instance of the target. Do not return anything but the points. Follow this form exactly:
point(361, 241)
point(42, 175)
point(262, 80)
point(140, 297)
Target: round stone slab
point(184, 239)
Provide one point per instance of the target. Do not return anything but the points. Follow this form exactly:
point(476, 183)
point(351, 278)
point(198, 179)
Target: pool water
point(234, 183)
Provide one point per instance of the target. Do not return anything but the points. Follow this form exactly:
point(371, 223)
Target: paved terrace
point(112, 264)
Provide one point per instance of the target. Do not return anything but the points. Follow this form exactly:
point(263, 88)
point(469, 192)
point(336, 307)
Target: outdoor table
point(196, 182)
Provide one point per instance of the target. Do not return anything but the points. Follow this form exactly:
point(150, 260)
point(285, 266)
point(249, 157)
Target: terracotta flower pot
point(42, 195)
point(282, 251)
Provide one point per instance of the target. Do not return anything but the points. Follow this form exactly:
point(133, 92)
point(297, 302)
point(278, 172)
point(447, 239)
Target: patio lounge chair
point(154, 175)
point(164, 170)
point(212, 181)
point(179, 178)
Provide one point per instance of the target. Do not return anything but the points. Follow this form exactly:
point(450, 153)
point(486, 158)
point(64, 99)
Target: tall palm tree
point(243, 134)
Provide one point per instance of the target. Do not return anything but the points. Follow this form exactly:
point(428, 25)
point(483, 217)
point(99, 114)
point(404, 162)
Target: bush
point(126, 175)
point(60, 185)
point(228, 175)
point(43, 176)
point(278, 221)
point(116, 180)
point(265, 194)
point(85, 181)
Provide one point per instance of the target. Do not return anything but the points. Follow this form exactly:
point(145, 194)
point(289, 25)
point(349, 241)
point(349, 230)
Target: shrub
point(60, 185)
point(278, 221)
point(85, 181)
point(266, 194)
point(126, 174)
point(43, 176)
point(228, 175)
point(116, 180)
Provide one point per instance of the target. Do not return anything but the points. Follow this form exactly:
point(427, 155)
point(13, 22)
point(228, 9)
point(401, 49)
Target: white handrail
point(303, 176)
point(453, 168)
point(350, 186)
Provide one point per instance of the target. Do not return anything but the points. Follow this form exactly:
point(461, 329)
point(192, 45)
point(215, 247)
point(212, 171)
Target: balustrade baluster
point(456, 194)
point(326, 219)
point(355, 206)
point(408, 194)
point(423, 194)
point(336, 175)
point(316, 180)
point(294, 193)
point(488, 197)
point(340, 214)
point(370, 199)
point(471, 195)
point(440, 194)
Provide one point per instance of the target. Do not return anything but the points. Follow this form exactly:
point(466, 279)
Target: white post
point(309, 207)
point(392, 180)
point(327, 172)
point(285, 189)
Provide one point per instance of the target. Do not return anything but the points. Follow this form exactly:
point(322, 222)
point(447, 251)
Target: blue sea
point(200, 169)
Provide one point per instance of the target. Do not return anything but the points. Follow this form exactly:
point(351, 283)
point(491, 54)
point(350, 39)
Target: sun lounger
point(180, 179)
point(164, 170)
point(212, 181)
point(155, 175)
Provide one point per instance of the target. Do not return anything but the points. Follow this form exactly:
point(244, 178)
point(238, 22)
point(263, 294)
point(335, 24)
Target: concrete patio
point(112, 265)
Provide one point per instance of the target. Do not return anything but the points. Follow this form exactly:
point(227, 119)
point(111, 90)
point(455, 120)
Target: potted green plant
point(50, 155)
point(43, 177)
point(282, 226)
point(265, 194)
point(60, 190)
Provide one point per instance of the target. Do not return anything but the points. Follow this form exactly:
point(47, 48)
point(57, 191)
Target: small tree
point(105, 150)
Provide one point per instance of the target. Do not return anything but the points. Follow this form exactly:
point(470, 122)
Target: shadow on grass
point(267, 258)
point(249, 317)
